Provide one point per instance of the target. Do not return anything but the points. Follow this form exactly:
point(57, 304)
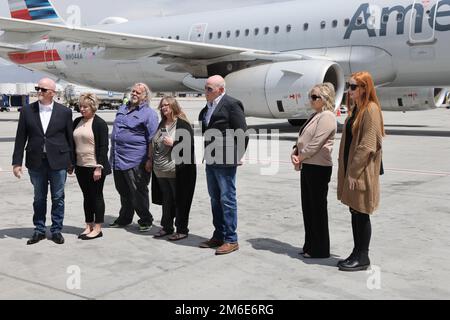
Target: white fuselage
point(399, 52)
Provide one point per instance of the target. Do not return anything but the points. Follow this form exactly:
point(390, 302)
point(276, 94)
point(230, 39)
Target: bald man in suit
point(45, 132)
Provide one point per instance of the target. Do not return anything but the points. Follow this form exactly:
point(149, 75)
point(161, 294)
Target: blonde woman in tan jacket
point(312, 155)
point(360, 165)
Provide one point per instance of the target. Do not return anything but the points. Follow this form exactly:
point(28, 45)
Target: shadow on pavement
point(25, 233)
point(287, 249)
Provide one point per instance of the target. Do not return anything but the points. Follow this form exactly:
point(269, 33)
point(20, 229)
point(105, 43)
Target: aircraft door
point(422, 15)
point(198, 32)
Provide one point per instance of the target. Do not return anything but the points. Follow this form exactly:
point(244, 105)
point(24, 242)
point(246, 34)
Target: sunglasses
point(351, 86)
point(315, 97)
point(43, 90)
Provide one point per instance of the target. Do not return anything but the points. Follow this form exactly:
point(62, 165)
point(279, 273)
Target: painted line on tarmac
point(398, 170)
point(36, 283)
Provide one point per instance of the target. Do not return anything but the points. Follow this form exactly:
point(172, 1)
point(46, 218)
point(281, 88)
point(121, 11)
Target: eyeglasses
point(315, 97)
point(165, 105)
point(351, 86)
point(209, 89)
point(137, 92)
point(43, 90)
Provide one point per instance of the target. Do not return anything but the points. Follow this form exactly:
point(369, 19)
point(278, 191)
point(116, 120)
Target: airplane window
point(276, 29)
point(211, 35)
point(335, 23)
point(177, 37)
point(238, 33)
point(306, 26)
point(228, 34)
point(256, 31)
point(400, 17)
point(288, 28)
point(385, 19)
point(247, 32)
point(346, 22)
point(323, 24)
point(266, 30)
point(359, 21)
point(219, 35)
point(169, 37)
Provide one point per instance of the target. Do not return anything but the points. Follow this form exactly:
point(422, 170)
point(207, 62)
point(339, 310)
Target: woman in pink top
point(91, 142)
point(312, 155)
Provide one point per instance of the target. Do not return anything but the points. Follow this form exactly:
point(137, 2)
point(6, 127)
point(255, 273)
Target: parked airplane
point(271, 54)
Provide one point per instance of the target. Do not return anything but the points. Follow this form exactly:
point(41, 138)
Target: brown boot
point(227, 248)
point(211, 243)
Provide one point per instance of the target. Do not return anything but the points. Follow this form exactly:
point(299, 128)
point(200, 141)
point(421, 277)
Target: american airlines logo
point(372, 18)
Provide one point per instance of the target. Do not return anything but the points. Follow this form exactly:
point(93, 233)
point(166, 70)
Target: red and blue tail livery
point(37, 10)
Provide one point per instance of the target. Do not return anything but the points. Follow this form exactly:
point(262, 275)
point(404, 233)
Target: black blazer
point(186, 174)
point(229, 114)
point(58, 139)
point(101, 137)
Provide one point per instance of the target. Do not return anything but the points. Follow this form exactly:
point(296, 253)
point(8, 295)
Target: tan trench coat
point(364, 163)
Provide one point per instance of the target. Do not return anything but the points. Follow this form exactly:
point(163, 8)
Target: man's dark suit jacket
point(58, 139)
point(229, 114)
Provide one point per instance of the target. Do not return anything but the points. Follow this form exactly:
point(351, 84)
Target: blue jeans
point(40, 179)
point(222, 191)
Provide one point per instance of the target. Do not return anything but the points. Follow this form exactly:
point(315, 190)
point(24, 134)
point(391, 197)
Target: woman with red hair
point(360, 165)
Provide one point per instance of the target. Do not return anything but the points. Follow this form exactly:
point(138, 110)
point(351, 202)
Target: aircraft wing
point(122, 46)
point(11, 48)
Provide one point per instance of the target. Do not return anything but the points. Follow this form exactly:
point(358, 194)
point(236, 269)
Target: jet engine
point(280, 90)
point(411, 99)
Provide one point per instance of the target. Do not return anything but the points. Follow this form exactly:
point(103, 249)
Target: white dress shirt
point(211, 108)
point(45, 113)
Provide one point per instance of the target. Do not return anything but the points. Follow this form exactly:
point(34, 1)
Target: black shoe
point(352, 255)
point(85, 237)
point(36, 238)
point(117, 225)
point(81, 235)
point(145, 227)
point(359, 262)
point(58, 238)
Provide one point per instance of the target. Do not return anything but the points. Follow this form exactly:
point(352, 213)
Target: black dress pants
point(94, 203)
point(314, 192)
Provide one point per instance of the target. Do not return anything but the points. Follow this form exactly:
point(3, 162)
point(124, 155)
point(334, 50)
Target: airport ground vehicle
point(107, 99)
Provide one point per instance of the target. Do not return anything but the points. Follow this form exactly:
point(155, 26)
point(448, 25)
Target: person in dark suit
point(226, 140)
point(90, 136)
point(45, 132)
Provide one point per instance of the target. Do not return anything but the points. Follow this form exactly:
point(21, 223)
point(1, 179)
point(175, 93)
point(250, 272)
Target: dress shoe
point(227, 248)
point(359, 262)
point(36, 238)
point(86, 237)
point(352, 255)
point(211, 243)
point(58, 238)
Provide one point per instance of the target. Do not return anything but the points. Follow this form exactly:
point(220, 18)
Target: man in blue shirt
point(131, 157)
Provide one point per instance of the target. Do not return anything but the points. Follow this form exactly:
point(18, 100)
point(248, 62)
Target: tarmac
point(409, 249)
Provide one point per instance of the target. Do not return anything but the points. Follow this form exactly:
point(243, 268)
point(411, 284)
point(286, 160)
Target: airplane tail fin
point(35, 10)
